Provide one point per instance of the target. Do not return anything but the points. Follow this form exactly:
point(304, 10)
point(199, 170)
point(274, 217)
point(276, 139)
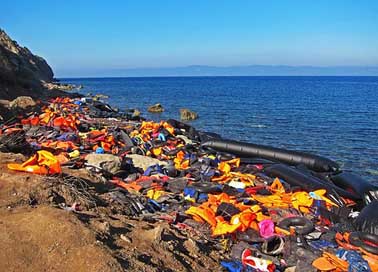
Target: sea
point(335, 117)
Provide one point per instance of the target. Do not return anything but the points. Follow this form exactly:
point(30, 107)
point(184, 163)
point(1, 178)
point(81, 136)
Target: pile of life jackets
point(219, 192)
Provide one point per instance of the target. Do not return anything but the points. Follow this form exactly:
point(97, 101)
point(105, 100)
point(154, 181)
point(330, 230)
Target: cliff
point(21, 72)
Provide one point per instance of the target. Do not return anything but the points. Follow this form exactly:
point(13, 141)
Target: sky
point(77, 36)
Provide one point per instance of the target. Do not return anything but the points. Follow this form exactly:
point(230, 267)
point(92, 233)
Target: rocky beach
point(37, 233)
point(87, 187)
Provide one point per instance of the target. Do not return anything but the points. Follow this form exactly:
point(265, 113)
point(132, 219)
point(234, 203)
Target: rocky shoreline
point(81, 202)
point(24, 74)
point(85, 187)
point(142, 196)
point(52, 86)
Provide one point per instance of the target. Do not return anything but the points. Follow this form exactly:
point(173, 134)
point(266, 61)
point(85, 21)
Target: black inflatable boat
point(318, 172)
point(313, 162)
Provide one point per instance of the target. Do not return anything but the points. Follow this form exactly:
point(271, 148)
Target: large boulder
point(157, 108)
point(107, 162)
point(144, 162)
point(22, 102)
point(186, 115)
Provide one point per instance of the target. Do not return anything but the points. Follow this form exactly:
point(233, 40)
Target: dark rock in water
point(156, 108)
point(22, 102)
point(135, 113)
point(100, 96)
point(186, 115)
point(21, 72)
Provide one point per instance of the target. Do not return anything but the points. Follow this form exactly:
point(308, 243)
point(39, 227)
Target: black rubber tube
point(358, 239)
point(367, 220)
point(302, 225)
point(305, 181)
point(313, 162)
point(348, 180)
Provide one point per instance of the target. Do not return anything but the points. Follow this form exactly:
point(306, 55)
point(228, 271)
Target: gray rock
point(136, 113)
point(22, 102)
point(144, 162)
point(108, 162)
point(186, 115)
point(156, 108)
point(60, 86)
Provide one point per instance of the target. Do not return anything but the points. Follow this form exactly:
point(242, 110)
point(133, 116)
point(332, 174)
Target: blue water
point(336, 117)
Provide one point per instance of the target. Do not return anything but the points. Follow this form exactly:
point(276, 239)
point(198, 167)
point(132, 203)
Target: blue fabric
point(67, 137)
point(62, 137)
point(153, 169)
point(207, 171)
point(355, 260)
point(232, 266)
point(100, 150)
point(192, 193)
point(203, 196)
point(189, 192)
point(321, 244)
point(147, 146)
point(236, 266)
point(153, 206)
point(161, 137)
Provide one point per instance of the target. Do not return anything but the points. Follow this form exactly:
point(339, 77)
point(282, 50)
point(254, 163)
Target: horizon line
point(168, 76)
point(211, 70)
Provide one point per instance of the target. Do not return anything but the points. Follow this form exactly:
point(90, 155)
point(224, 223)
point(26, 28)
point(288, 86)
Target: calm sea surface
point(336, 117)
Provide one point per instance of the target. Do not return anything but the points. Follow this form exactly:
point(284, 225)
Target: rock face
point(186, 115)
point(21, 72)
point(156, 108)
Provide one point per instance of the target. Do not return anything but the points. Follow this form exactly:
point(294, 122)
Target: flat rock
point(108, 162)
point(144, 162)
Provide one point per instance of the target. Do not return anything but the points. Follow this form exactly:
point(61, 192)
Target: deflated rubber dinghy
point(356, 184)
point(313, 162)
point(367, 220)
point(309, 183)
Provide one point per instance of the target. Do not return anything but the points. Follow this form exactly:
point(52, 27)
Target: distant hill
point(21, 72)
point(251, 70)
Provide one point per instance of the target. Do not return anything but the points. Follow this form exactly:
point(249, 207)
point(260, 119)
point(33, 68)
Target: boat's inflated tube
point(313, 162)
point(366, 241)
point(190, 131)
point(309, 183)
point(367, 220)
point(208, 136)
point(352, 182)
point(302, 224)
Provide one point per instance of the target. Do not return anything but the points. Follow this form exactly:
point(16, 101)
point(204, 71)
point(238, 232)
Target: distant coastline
point(206, 71)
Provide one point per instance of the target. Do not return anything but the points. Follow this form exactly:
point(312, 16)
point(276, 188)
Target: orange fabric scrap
point(43, 162)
